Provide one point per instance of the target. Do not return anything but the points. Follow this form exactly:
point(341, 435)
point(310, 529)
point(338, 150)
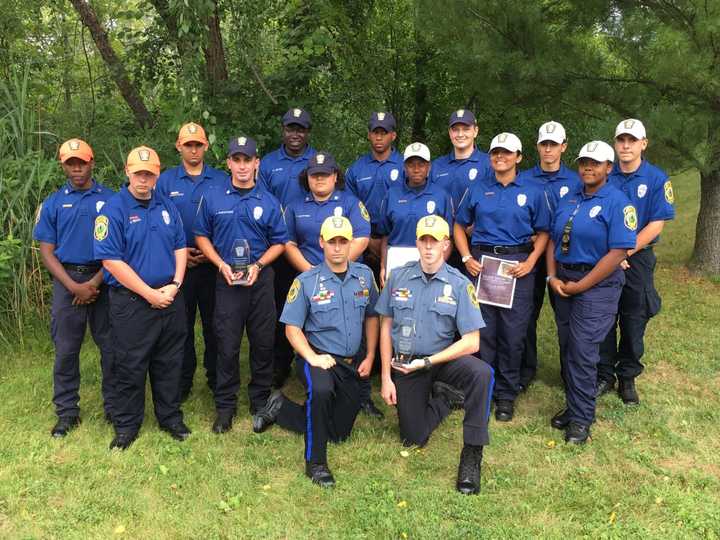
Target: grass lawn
point(650, 471)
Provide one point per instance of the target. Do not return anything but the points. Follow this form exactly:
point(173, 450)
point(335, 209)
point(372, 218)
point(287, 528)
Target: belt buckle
point(498, 250)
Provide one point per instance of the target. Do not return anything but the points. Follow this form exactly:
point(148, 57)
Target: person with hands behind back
point(591, 232)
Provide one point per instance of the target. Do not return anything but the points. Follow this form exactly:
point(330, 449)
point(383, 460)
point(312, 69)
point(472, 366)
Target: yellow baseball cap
point(192, 132)
point(75, 148)
point(435, 226)
point(143, 158)
point(335, 226)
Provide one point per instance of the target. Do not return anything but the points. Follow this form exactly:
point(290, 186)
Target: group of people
point(289, 249)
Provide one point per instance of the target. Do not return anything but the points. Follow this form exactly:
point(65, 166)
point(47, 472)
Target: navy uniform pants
point(583, 321)
point(330, 408)
point(639, 302)
point(199, 291)
point(419, 413)
point(146, 341)
point(283, 353)
point(239, 308)
point(529, 361)
point(502, 341)
point(67, 328)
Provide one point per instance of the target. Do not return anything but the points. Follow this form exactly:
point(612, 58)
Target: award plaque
point(405, 342)
point(240, 261)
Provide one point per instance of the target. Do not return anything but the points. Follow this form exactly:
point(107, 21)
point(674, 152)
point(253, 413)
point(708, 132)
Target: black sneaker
point(223, 422)
point(627, 392)
point(122, 441)
point(454, 398)
point(603, 387)
point(369, 408)
point(266, 416)
point(468, 477)
point(64, 425)
point(178, 431)
point(561, 419)
point(577, 433)
point(319, 474)
point(504, 410)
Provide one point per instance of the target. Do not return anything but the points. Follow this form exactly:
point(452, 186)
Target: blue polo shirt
point(66, 220)
point(504, 215)
point(278, 174)
point(438, 307)
point(305, 218)
point(185, 192)
point(144, 238)
point(649, 190)
point(404, 206)
point(603, 221)
point(557, 185)
point(457, 175)
point(370, 179)
point(226, 215)
point(331, 312)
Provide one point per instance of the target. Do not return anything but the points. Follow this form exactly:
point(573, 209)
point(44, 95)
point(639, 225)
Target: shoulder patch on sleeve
point(630, 218)
point(473, 295)
point(293, 292)
point(669, 195)
point(101, 228)
point(363, 211)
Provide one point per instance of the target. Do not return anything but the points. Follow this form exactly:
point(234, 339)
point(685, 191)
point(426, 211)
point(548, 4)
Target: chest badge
point(394, 175)
point(430, 206)
point(338, 211)
point(642, 190)
point(521, 199)
point(99, 205)
point(472, 173)
point(594, 211)
point(446, 297)
point(564, 191)
point(257, 212)
point(166, 217)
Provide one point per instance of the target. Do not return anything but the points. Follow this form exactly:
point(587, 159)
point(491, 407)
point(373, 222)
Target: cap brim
point(338, 235)
point(148, 168)
point(436, 235)
point(387, 128)
point(327, 169)
point(81, 156)
point(298, 122)
point(461, 121)
point(417, 156)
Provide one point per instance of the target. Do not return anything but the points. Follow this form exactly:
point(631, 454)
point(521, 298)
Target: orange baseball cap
point(143, 158)
point(192, 132)
point(75, 148)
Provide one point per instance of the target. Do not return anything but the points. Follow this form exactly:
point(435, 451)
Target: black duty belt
point(505, 250)
point(337, 357)
point(82, 268)
point(577, 267)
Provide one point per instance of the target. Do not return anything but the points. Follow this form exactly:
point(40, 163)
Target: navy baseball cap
point(242, 145)
point(384, 120)
point(322, 162)
point(297, 116)
point(462, 116)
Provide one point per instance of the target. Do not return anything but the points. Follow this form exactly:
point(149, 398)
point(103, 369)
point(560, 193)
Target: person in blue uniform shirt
point(242, 216)
point(557, 180)
point(325, 182)
point(326, 310)
point(64, 228)
point(409, 201)
point(510, 219)
point(424, 306)
point(371, 175)
point(593, 227)
point(140, 240)
point(650, 191)
point(465, 164)
point(183, 185)
point(278, 174)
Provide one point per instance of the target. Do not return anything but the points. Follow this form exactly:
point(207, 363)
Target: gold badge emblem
point(192, 129)
point(630, 217)
point(74, 145)
point(472, 295)
point(293, 292)
point(144, 155)
point(101, 228)
point(669, 194)
point(363, 211)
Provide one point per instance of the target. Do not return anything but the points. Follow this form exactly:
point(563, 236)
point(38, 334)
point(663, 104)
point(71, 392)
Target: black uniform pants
point(419, 413)
point(283, 353)
point(239, 308)
point(639, 302)
point(146, 341)
point(329, 411)
point(67, 328)
point(199, 290)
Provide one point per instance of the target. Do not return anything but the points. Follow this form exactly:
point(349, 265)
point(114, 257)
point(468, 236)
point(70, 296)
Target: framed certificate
point(495, 286)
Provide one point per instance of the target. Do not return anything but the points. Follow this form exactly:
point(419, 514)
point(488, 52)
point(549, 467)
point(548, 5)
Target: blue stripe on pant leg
point(308, 409)
point(490, 390)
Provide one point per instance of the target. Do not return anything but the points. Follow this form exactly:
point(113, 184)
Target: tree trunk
point(115, 66)
point(184, 51)
point(706, 255)
point(214, 52)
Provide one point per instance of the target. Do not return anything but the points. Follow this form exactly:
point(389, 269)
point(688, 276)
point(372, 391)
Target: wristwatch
point(466, 258)
point(428, 363)
point(547, 279)
point(176, 283)
point(259, 265)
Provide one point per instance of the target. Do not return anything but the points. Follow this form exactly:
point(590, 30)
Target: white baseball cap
point(597, 150)
point(631, 126)
point(552, 131)
point(417, 149)
point(508, 141)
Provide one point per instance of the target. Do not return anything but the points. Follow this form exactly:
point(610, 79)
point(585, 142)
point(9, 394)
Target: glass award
point(405, 342)
point(240, 261)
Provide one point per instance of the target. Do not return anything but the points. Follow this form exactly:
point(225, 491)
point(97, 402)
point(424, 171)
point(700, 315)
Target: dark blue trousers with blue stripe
point(420, 413)
point(329, 412)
